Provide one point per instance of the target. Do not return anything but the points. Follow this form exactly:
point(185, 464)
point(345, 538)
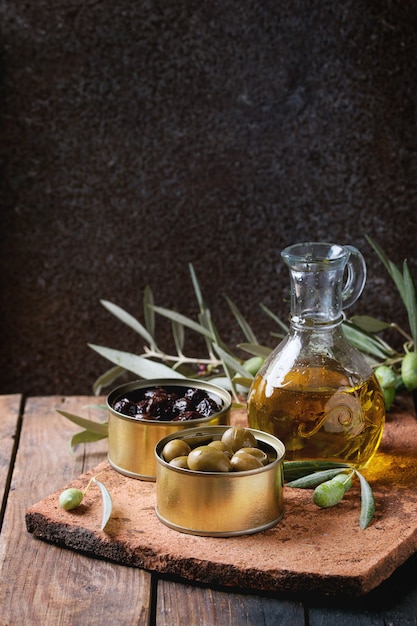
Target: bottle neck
point(316, 296)
point(314, 323)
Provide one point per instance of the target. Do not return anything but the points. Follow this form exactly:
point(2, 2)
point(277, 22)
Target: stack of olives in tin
point(236, 451)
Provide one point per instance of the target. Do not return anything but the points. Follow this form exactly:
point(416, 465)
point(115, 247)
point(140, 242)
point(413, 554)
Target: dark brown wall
point(137, 137)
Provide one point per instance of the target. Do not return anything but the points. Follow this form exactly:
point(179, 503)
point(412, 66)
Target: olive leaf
point(233, 363)
point(84, 436)
point(274, 317)
point(243, 381)
point(182, 319)
point(196, 287)
point(148, 312)
point(367, 502)
point(410, 302)
point(107, 378)
point(294, 470)
point(366, 342)
point(129, 320)
point(107, 503)
point(139, 365)
point(179, 337)
point(93, 431)
point(312, 480)
point(204, 317)
point(244, 325)
point(391, 268)
point(255, 349)
point(369, 324)
point(230, 366)
point(405, 285)
point(98, 428)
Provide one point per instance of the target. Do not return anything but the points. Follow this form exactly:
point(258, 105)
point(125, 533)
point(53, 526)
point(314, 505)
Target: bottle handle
point(356, 277)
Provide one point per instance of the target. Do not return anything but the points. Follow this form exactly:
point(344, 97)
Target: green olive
point(409, 371)
point(329, 493)
point(345, 479)
point(180, 461)
point(242, 461)
point(256, 452)
point(387, 379)
point(385, 376)
point(174, 448)
point(389, 394)
point(208, 459)
point(220, 445)
point(197, 440)
point(253, 364)
point(238, 437)
point(70, 498)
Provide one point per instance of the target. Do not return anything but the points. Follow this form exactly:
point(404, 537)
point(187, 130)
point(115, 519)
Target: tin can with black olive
point(143, 412)
point(219, 503)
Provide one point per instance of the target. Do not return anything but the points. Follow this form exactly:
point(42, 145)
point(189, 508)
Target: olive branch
point(330, 481)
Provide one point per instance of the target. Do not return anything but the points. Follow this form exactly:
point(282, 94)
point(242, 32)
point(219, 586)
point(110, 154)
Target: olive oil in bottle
point(320, 415)
point(316, 392)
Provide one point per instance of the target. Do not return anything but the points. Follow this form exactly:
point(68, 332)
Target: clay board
point(310, 549)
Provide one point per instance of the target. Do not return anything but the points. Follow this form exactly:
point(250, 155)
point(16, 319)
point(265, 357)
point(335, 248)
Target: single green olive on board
point(208, 459)
point(345, 479)
point(238, 437)
point(409, 371)
point(329, 493)
point(70, 498)
point(174, 448)
point(242, 462)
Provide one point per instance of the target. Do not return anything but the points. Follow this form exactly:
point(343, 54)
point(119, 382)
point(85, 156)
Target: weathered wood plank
point(186, 604)
point(393, 602)
point(44, 584)
point(9, 424)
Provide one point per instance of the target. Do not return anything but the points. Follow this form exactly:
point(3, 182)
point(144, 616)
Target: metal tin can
point(220, 504)
point(132, 441)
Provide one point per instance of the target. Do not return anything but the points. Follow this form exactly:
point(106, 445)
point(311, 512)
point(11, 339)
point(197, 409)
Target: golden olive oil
point(320, 414)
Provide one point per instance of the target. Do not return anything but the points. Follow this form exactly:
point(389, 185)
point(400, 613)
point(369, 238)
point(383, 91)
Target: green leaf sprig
point(330, 481)
point(221, 364)
point(403, 365)
point(71, 498)
point(92, 431)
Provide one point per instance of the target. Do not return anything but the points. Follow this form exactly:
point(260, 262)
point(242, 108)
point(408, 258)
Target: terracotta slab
point(311, 549)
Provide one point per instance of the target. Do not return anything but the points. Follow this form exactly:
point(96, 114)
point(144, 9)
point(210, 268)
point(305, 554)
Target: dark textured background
point(137, 137)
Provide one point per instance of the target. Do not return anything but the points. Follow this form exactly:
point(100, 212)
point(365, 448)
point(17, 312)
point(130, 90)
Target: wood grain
point(9, 426)
point(44, 584)
point(52, 585)
point(186, 604)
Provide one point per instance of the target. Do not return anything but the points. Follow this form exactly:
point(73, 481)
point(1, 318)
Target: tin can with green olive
point(225, 481)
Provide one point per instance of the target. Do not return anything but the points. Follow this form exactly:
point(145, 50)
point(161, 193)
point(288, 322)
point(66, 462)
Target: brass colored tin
point(132, 441)
point(220, 504)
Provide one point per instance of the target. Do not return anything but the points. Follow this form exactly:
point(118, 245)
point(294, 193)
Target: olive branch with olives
point(396, 369)
point(330, 481)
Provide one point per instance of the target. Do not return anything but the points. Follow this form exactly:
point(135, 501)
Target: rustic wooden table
point(45, 584)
